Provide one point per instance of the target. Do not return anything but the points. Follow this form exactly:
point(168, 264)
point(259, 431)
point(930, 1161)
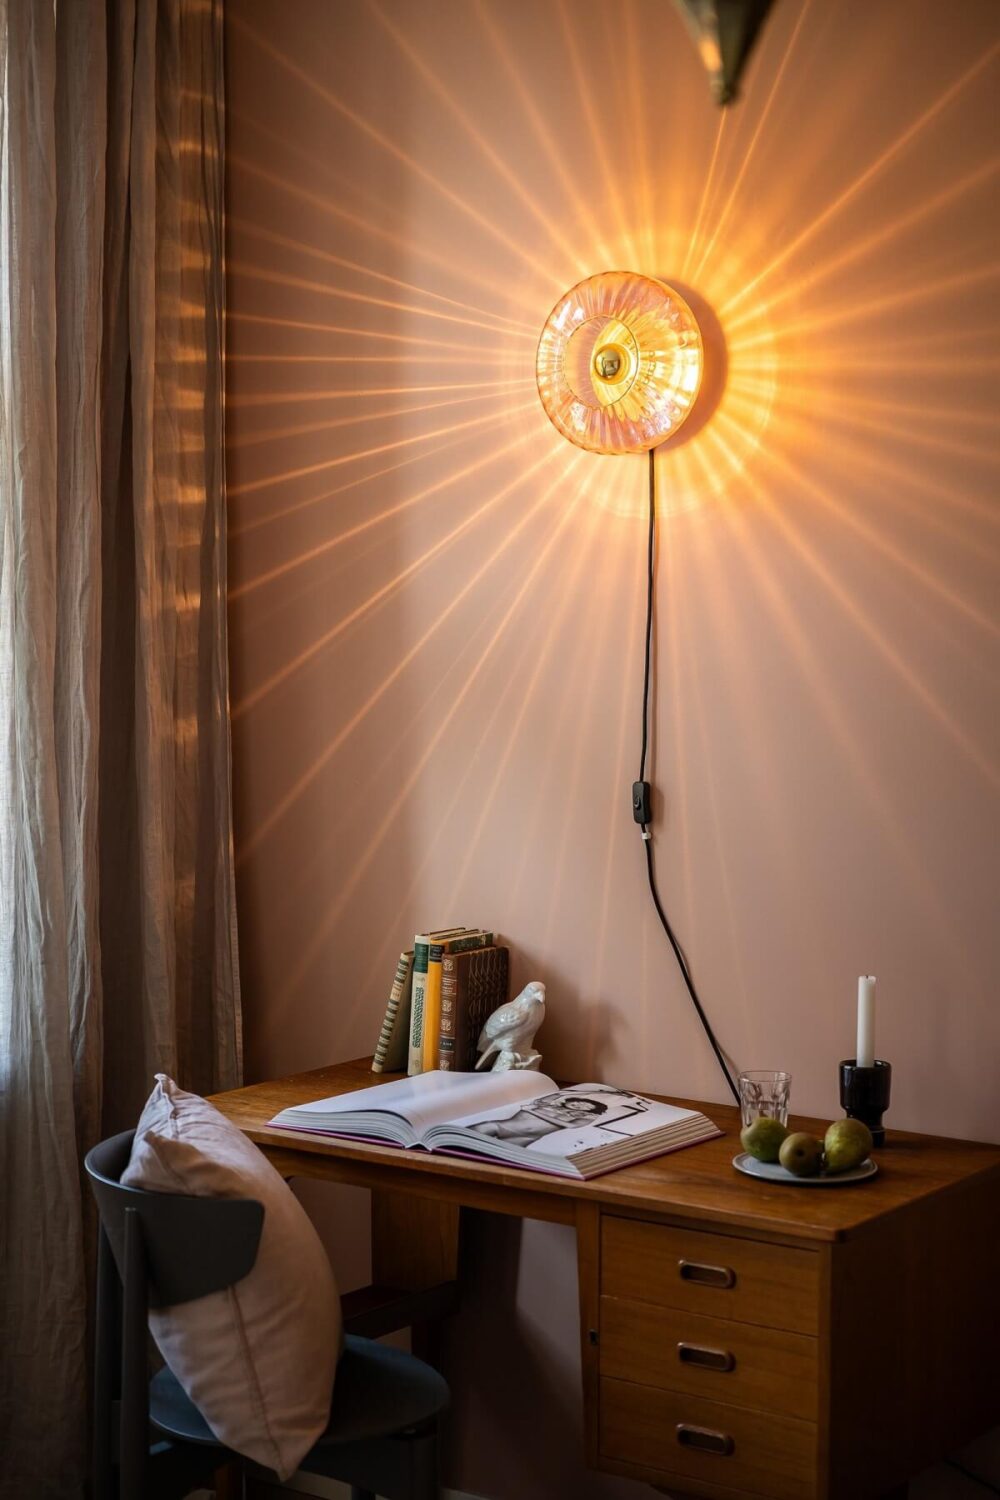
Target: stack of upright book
point(444, 988)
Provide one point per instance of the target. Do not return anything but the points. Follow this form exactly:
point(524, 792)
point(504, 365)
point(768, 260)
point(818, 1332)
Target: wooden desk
point(738, 1340)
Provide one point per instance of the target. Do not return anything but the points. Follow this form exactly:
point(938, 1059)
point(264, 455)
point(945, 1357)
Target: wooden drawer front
point(663, 1430)
point(764, 1369)
point(716, 1275)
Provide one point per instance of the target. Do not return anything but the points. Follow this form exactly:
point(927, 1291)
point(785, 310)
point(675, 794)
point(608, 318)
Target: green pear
point(847, 1144)
point(801, 1154)
point(762, 1138)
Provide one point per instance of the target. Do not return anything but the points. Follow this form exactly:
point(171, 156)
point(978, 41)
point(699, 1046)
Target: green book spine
point(480, 939)
point(415, 1061)
point(418, 1003)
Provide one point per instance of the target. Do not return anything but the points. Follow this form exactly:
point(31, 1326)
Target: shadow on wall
point(716, 372)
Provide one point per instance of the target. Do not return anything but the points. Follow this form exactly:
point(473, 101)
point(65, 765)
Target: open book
point(520, 1118)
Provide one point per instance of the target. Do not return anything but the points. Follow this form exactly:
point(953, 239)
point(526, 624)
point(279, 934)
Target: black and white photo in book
point(520, 1118)
point(579, 1109)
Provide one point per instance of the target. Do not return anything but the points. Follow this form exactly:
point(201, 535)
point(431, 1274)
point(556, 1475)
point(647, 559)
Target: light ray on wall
point(603, 957)
point(853, 750)
point(423, 344)
point(245, 704)
point(488, 388)
point(864, 179)
point(331, 915)
point(390, 513)
point(861, 618)
point(699, 217)
point(482, 221)
point(330, 205)
point(793, 288)
point(279, 516)
point(543, 132)
point(470, 130)
point(344, 294)
point(242, 488)
point(492, 723)
point(358, 419)
point(326, 257)
point(587, 96)
point(747, 154)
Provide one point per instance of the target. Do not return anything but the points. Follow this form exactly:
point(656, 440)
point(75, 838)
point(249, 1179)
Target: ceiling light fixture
point(724, 32)
point(619, 363)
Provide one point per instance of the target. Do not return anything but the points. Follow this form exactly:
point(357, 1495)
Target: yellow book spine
point(463, 942)
point(432, 1011)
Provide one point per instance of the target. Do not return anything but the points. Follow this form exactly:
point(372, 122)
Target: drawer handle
point(705, 1439)
point(693, 1270)
point(706, 1359)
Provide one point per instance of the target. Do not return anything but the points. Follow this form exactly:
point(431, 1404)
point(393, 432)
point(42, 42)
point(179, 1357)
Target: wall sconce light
point(619, 363)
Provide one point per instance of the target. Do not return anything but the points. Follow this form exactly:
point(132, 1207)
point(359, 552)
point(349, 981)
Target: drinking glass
point(764, 1094)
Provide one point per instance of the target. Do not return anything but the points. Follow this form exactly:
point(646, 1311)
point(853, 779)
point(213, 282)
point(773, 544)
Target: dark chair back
point(155, 1249)
point(191, 1246)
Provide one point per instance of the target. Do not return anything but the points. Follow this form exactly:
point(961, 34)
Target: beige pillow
point(258, 1359)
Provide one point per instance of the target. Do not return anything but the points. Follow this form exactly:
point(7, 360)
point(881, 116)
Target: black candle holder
point(864, 1094)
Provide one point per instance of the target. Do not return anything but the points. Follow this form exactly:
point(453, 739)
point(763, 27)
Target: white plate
point(773, 1171)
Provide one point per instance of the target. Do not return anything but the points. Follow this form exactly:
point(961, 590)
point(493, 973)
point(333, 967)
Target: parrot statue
point(510, 1030)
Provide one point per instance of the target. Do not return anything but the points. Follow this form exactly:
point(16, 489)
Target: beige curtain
point(117, 925)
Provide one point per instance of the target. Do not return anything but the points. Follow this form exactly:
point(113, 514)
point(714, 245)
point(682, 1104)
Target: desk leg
point(588, 1251)
point(414, 1246)
point(414, 1241)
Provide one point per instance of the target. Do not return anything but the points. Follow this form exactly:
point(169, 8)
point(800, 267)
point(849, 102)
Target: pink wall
point(436, 601)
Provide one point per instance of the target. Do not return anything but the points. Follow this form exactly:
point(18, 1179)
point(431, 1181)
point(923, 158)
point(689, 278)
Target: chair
point(150, 1441)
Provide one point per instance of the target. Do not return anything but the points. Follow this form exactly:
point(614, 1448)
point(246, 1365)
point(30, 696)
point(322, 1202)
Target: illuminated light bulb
point(619, 363)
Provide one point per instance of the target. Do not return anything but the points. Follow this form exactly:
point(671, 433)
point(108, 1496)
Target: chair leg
point(107, 1370)
point(399, 1466)
point(133, 1442)
point(424, 1466)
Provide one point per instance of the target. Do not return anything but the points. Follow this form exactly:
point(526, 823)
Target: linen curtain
point(117, 917)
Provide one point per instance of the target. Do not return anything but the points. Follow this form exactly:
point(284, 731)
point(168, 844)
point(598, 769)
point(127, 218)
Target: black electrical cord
point(650, 590)
point(646, 838)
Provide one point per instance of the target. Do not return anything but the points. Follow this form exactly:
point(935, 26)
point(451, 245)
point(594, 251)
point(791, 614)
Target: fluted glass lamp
point(619, 363)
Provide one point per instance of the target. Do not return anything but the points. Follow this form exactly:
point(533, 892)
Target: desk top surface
point(697, 1183)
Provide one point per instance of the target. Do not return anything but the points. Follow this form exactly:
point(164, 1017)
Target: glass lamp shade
point(619, 363)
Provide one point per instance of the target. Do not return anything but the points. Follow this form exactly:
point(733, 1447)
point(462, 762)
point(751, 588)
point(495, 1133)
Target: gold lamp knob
point(608, 362)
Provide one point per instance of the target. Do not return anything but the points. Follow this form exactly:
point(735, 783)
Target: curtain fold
point(117, 918)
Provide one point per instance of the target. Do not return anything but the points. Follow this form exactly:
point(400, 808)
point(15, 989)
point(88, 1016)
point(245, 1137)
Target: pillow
point(258, 1359)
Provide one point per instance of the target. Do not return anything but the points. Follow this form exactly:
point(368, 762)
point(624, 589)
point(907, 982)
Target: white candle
point(866, 1021)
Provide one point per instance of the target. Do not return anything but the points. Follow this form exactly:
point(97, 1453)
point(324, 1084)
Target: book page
point(568, 1121)
point(432, 1098)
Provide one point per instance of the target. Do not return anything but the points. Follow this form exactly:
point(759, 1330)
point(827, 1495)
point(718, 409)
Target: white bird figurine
point(509, 1031)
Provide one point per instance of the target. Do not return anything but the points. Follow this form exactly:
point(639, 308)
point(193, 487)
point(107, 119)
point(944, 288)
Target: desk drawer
point(763, 1369)
point(686, 1438)
point(715, 1275)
